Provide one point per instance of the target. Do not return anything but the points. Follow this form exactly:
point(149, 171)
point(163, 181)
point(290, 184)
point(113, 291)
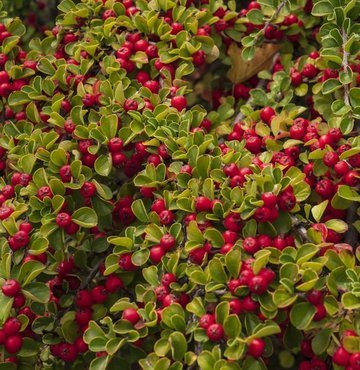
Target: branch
point(351, 236)
point(268, 23)
point(91, 275)
point(300, 229)
point(345, 65)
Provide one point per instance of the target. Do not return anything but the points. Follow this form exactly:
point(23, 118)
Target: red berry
point(115, 145)
point(63, 219)
point(99, 294)
point(215, 332)
point(11, 288)
point(269, 199)
point(258, 285)
point(203, 204)
point(88, 189)
point(325, 188)
point(11, 326)
point(156, 254)
point(315, 297)
point(131, 315)
point(286, 201)
point(167, 242)
point(113, 283)
point(309, 71)
point(251, 245)
point(256, 348)
point(13, 343)
point(179, 103)
point(320, 312)
point(341, 357)
point(266, 114)
point(206, 320)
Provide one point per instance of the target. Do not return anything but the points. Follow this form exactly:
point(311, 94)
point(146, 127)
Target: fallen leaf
point(241, 71)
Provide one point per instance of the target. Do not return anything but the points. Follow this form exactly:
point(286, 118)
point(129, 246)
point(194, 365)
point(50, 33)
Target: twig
point(300, 229)
point(91, 275)
point(268, 23)
point(345, 66)
point(351, 236)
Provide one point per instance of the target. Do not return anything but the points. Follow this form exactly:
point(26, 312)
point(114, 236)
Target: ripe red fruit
point(115, 145)
point(11, 326)
point(233, 222)
point(297, 131)
point(206, 320)
point(266, 114)
point(113, 283)
point(125, 262)
point(330, 159)
point(68, 352)
point(341, 168)
point(355, 361)
point(179, 103)
point(269, 199)
point(258, 285)
point(264, 241)
point(256, 348)
point(309, 71)
point(262, 214)
point(13, 343)
point(43, 192)
point(286, 201)
point(253, 144)
point(11, 288)
point(167, 242)
point(168, 278)
point(315, 297)
point(249, 305)
point(83, 299)
point(156, 254)
point(325, 188)
point(83, 316)
point(352, 178)
point(88, 189)
point(215, 332)
point(99, 294)
point(320, 312)
point(203, 204)
point(279, 243)
point(131, 315)
point(166, 217)
point(251, 245)
point(158, 206)
point(130, 104)
point(341, 357)
point(63, 219)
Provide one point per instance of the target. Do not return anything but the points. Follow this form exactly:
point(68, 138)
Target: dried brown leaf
point(241, 71)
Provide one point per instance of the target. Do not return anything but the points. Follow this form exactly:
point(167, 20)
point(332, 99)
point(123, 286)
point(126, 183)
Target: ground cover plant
point(179, 185)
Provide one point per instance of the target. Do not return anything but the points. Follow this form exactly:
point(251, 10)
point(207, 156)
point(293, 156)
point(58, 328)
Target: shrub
point(179, 186)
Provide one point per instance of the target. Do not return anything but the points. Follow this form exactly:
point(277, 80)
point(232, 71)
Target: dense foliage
point(179, 185)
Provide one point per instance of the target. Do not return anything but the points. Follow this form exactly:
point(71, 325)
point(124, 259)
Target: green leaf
point(215, 237)
point(217, 271)
point(222, 312)
point(233, 262)
point(322, 8)
point(232, 326)
point(302, 314)
point(85, 217)
point(37, 292)
point(318, 210)
point(331, 85)
point(321, 341)
point(103, 165)
point(140, 211)
point(178, 345)
point(339, 226)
